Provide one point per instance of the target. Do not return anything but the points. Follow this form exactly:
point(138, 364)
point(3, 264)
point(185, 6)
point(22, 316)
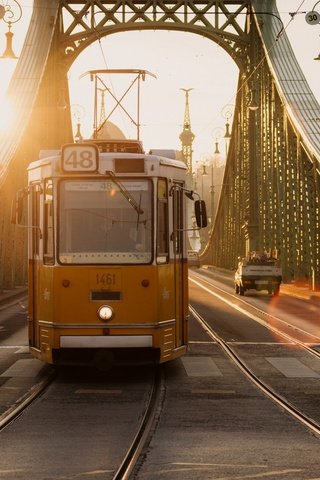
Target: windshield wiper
point(125, 193)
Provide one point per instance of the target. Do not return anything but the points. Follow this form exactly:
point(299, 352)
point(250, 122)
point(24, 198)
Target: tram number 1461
point(106, 279)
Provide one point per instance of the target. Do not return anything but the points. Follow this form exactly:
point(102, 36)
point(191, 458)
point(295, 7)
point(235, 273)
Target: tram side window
point(48, 223)
point(162, 222)
point(35, 219)
point(178, 220)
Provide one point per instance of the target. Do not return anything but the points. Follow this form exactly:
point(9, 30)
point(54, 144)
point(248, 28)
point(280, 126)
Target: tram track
point(255, 314)
point(24, 392)
point(260, 316)
point(278, 399)
point(145, 414)
point(26, 400)
point(142, 437)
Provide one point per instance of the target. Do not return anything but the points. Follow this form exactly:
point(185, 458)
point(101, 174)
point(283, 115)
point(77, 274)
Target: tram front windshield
point(105, 221)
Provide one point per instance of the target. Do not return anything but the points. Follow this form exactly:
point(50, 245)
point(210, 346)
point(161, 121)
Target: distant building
point(109, 131)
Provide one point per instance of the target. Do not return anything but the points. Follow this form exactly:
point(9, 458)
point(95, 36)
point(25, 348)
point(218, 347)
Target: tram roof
point(155, 164)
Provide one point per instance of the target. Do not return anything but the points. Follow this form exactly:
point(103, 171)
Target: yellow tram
point(108, 254)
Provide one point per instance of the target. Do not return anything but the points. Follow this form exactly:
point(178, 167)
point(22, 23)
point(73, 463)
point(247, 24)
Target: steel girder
point(81, 23)
point(220, 21)
point(271, 197)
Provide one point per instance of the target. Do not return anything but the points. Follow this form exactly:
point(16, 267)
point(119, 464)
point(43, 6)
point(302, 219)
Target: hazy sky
point(179, 60)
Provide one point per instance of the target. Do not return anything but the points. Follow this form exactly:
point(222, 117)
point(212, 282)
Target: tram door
point(179, 268)
point(34, 263)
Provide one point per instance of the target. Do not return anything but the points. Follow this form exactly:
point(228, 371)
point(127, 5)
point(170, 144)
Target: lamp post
point(194, 239)
point(203, 174)
point(217, 133)
point(203, 231)
point(212, 201)
point(251, 225)
point(10, 13)
point(213, 186)
point(78, 112)
point(227, 113)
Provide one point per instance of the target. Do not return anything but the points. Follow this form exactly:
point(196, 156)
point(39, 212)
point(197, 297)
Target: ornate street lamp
point(10, 13)
point(217, 134)
point(78, 112)
point(204, 171)
point(227, 113)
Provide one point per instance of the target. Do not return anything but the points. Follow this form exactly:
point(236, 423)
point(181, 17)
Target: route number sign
point(313, 17)
point(79, 157)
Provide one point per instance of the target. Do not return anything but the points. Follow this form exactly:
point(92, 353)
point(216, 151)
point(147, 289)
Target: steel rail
point(257, 319)
point(23, 402)
point(269, 392)
point(141, 439)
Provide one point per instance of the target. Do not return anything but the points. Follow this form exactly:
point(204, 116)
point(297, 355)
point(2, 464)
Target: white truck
point(258, 271)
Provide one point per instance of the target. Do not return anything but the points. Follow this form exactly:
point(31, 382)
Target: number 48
point(81, 160)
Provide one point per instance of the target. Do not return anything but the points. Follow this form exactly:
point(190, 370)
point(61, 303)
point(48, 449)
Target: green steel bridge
point(270, 198)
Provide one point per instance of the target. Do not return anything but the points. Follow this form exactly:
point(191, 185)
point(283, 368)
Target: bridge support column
point(251, 235)
point(251, 227)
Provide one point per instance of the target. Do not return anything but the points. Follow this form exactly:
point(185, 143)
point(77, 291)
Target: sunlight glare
point(178, 60)
point(7, 115)
point(7, 68)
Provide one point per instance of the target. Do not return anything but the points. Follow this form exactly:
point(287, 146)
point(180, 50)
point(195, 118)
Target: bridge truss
point(270, 193)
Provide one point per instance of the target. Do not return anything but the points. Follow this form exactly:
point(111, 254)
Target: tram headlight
point(105, 313)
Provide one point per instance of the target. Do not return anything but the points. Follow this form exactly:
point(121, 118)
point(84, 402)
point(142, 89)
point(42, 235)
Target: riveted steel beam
point(221, 21)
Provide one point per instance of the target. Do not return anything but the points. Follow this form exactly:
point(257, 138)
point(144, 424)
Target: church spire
point(187, 136)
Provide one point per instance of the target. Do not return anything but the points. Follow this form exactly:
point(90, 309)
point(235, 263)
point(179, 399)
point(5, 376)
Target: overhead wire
point(245, 81)
point(280, 33)
point(107, 68)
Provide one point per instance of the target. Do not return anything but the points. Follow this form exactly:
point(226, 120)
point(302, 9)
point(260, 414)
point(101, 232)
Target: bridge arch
point(237, 53)
point(222, 22)
point(200, 64)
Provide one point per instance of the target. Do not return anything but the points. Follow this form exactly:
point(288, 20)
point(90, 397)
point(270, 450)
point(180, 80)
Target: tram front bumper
point(67, 341)
point(114, 341)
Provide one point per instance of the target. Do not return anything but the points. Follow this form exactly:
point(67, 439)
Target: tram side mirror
point(200, 211)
